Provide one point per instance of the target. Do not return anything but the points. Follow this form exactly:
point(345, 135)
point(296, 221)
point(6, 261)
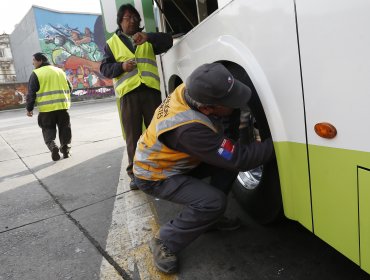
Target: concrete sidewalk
point(133, 225)
point(75, 218)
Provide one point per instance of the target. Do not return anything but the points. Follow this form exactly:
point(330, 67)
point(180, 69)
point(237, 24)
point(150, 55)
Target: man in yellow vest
point(130, 61)
point(50, 90)
point(185, 142)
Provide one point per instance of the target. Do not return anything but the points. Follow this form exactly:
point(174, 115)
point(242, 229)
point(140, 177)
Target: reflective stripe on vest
point(155, 161)
point(146, 70)
point(54, 93)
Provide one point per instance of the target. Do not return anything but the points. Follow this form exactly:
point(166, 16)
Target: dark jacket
point(201, 142)
point(110, 68)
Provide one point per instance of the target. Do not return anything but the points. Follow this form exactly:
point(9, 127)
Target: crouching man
point(185, 143)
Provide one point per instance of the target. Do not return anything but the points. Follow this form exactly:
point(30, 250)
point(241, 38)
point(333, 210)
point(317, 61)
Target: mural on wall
point(12, 95)
point(75, 43)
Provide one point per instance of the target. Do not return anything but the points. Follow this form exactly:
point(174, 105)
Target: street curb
point(134, 224)
point(75, 103)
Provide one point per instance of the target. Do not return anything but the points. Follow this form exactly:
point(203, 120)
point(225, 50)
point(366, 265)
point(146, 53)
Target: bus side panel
point(293, 178)
point(261, 37)
point(335, 206)
point(335, 200)
point(334, 39)
point(364, 194)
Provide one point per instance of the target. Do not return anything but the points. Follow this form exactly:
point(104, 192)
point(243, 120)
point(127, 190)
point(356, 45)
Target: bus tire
point(263, 202)
point(258, 190)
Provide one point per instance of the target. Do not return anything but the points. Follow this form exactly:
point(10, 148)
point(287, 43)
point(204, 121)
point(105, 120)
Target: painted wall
point(75, 43)
point(72, 41)
point(12, 95)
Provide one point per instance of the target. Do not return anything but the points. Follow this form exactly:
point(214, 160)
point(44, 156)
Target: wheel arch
point(173, 82)
point(258, 111)
point(180, 61)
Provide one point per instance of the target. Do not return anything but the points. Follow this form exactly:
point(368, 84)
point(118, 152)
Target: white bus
point(308, 65)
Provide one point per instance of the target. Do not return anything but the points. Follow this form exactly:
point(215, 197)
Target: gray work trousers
point(204, 203)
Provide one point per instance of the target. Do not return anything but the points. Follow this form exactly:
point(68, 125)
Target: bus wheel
point(258, 190)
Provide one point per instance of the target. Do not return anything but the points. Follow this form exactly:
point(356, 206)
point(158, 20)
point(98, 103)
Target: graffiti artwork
point(73, 42)
point(12, 95)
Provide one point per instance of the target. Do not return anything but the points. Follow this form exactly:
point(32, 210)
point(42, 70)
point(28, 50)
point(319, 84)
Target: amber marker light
point(325, 130)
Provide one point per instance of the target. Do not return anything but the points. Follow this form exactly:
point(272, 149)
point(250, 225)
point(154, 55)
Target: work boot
point(133, 186)
point(55, 154)
point(66, 155)
point(226, 224)
point(164, 259)
point(65, 151)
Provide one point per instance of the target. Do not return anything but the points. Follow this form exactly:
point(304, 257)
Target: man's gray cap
point(213, 84)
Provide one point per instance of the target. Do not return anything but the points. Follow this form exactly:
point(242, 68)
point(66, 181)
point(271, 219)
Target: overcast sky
point(13, 11)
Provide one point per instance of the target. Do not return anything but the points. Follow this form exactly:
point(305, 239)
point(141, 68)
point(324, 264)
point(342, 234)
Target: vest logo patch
point(226, 149)
point(164, 108)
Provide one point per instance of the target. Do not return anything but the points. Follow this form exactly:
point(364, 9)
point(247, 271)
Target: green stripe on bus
point(294, 181)
point(335, 189)
point(364, 206)
point(149, 20)
point(120, 2)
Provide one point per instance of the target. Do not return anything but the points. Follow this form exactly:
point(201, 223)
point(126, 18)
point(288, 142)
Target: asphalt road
point(283, 251)
point(77, 219)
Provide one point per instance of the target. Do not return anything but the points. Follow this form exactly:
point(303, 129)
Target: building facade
point(7, 70)
point(72, 41)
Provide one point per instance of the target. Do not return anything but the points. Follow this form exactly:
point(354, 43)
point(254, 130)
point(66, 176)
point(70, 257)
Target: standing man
point(50, 89)
point(185, 143)
point(130, 61)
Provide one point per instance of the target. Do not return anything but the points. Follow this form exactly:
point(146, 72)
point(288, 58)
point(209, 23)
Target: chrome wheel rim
point(250, 179)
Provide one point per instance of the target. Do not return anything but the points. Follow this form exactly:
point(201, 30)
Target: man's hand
point(129, 65)
point(140, 38)
point(30, 113)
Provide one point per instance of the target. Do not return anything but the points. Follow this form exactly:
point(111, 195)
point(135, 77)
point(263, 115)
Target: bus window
point(180, 17)
point(205, 8)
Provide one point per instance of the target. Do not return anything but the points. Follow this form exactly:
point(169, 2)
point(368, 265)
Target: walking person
point(50, 90)
point(184, 143)
point(130, 61)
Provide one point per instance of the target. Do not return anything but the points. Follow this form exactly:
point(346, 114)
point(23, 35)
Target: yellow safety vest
point(153, 160)
point(146, 71)
point(54, 93)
